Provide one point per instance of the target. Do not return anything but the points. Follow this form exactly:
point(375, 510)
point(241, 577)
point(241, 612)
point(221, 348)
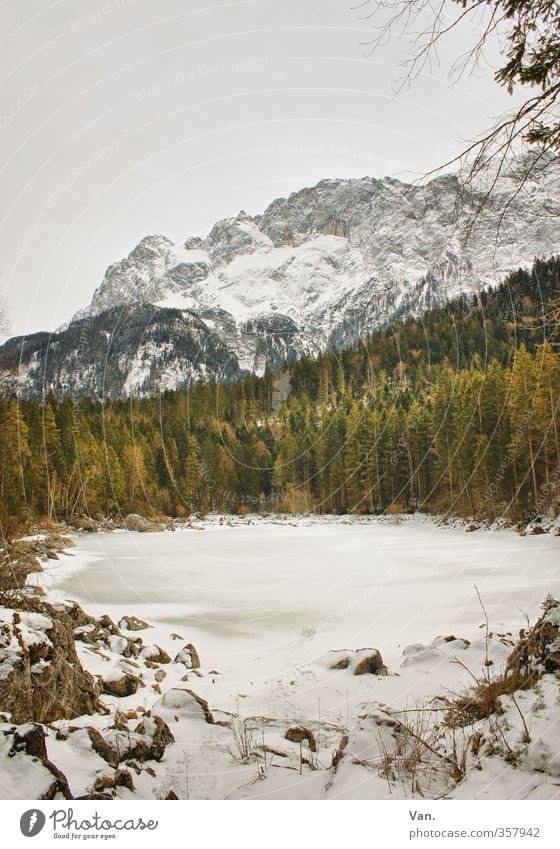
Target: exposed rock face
point(41, 678)
point(322, 267)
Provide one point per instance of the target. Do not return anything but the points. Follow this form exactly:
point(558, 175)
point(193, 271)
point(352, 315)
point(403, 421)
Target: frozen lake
point(270, 591)
point(265, 602)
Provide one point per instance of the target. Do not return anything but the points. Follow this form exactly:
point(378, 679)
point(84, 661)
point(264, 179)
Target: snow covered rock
point(184, 704)
point(156, 728)
point(120, 684)
point(155, 654)
point(116, 746)
point(372, 664)
point(132, 623)
point(189, 656)
point(135, 522)
point(359, 662)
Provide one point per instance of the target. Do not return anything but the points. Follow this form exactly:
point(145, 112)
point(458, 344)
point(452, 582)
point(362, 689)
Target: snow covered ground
point(271, 604)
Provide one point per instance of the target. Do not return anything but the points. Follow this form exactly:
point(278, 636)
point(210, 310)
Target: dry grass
point(482, 699)
point(242, 747)
point(417, 760)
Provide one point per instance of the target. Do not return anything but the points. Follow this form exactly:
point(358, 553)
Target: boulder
point(372, 664)
point(123, 778)
point(179, 702)
point(135, 522)
point(189, 656)
point(116, 746)
point(132, 623)
point(156, 728)
point(104, 782)
point(341, 663)
point(105, 623)
point(156, 654)
point(84, 523)
point(129, 745)
point(100, 745)
point(122, 686)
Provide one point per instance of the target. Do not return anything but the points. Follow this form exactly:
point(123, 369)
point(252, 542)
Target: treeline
point(454, 412)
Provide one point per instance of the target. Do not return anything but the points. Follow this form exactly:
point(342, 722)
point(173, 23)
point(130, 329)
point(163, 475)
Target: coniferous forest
point(455, 412)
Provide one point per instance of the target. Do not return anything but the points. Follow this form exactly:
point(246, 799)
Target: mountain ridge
point(321, 268)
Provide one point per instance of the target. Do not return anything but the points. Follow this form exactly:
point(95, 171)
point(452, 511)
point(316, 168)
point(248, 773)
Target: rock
point(156, 654)
point(135, 522)
point(94, 796)
point(100, 745)
point(41, 678)
point(104, 782)
point(123, 778)
point(189, 656)
point(299, 734)
point(156, 728)
point(183, 702)
point(122, 687)
point(86, 524)
point(76, 616)
point(59, 542)
point(116, 746)
point(106, 624)
point(29, 740)
point(130, 745)
point(132, 623)
point(175, 636)
point(160, 675)
point(171, 795)
point(372, 664)
point(341, 663)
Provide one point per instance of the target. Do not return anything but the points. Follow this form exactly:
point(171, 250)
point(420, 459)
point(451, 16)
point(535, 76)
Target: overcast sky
point(122, 118)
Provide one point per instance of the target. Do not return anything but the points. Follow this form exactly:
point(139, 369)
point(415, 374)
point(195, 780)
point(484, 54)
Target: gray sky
point(121, 118)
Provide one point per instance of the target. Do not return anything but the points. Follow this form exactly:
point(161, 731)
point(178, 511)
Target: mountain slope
point(324, 267)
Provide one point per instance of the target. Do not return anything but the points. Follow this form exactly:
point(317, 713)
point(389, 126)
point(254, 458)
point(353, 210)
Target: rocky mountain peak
point(324, 266)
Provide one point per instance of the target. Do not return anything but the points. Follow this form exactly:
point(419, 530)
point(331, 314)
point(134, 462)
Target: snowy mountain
point(324, 267)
